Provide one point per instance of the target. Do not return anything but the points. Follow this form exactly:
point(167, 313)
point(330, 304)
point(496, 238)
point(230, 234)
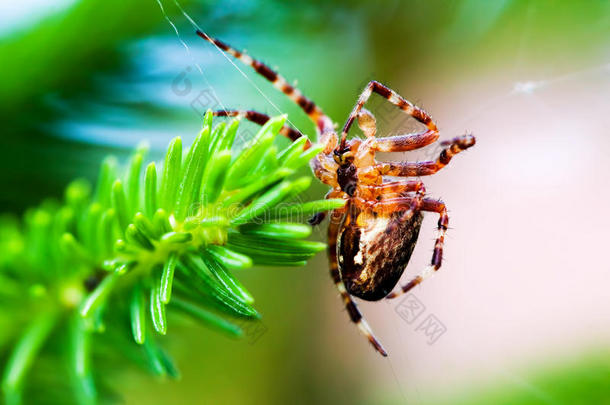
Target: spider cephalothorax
point(371, 238)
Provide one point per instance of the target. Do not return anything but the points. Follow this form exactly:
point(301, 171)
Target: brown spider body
point(371, 238)
point(373, 248)
point(373, 251)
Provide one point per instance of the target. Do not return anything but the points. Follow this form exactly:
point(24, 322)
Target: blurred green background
point(522, 297)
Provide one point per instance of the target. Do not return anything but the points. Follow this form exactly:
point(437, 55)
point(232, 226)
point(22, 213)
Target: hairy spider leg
point(407, 204)
point(260, 119)
point(437, 257)
point(322, 121)
point(350, 305)
point(391, 189)
point(410, 169)
point(397, 143)
point(394, 98)
point(324, 126)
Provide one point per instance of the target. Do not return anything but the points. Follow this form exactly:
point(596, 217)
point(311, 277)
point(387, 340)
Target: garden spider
point(371, 238)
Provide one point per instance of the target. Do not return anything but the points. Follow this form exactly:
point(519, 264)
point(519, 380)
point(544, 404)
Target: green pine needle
point(149, 242)
point(138, 314)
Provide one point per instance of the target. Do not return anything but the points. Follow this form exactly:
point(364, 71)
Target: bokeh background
point(522, 302)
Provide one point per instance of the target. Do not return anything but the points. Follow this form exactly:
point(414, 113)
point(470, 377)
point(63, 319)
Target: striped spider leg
point(320, 119)
point(400, 143)
point(437, 255)
point(323, 166)
point(261, 119)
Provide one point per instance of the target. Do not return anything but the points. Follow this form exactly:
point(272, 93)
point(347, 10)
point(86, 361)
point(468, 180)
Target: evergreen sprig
point(146, 242)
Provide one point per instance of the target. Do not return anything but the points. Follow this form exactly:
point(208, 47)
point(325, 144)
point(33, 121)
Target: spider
point(371, 238)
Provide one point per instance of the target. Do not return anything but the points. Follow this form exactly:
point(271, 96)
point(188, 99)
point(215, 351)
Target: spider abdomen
point(373, 251)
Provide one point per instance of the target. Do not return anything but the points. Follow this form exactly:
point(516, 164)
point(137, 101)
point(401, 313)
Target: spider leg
point(398, 143)
point(390, 205)
point(322, 121)
point(260, 119)
point(325, 169)
point(318, 217)
point(437, 257)
point(407, 169)
point(391, 189)
point(394, 98)
point(406, 142)
point(350, 305)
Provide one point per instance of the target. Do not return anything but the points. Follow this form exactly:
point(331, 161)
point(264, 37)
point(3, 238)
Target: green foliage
point(580, 380)
point(146, 243)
